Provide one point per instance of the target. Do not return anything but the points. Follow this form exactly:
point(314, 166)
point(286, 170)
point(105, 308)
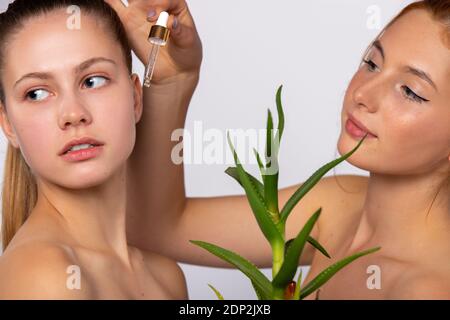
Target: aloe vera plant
point(263, 200)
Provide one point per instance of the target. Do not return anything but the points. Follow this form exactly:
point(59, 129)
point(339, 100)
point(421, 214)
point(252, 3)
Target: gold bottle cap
point(159, 33)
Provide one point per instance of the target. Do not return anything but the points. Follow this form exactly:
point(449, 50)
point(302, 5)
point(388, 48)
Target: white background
point(250, 48)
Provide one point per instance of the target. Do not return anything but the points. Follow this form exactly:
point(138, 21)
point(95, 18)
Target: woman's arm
point(160, 217)
point(155, 183)
point(229, 222)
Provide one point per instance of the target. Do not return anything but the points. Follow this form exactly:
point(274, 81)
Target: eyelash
point(411, 95)
point(93, 76)
point(371, 65)
point(407, 92)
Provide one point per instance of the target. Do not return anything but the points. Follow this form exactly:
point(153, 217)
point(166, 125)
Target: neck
point(406, 210)
point(94, 217)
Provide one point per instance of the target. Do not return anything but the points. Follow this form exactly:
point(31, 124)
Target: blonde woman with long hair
point(70, 105)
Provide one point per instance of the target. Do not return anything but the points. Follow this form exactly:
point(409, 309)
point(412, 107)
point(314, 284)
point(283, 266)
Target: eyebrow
point(417, 72)
point(421, 74)
point(377, 44)
point(78, 69)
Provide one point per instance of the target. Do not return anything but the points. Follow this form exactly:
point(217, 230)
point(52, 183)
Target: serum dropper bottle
point(159, 34)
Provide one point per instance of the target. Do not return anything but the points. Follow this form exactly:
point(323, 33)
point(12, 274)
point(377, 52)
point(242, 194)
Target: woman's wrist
point(182, 81)
point(175, 92)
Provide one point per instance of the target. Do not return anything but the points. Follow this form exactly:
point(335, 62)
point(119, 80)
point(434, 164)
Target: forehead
point(48, 43)
point(417, 39)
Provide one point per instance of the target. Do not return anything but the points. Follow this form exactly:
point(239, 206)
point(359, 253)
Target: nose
point(73, 112)
point(367, 94)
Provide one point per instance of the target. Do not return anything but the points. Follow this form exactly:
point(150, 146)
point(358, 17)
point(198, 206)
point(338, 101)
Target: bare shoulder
point(338, 196)
point(421, 286)
point(335, 191)
point(167, 272)
point(340, 199)
point(40, 270)
point(427, 278)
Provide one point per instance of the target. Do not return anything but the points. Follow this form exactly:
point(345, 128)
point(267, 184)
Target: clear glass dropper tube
point(151, 64)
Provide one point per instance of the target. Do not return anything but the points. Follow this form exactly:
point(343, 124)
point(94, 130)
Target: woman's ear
point(7, 128)
point(138, 103)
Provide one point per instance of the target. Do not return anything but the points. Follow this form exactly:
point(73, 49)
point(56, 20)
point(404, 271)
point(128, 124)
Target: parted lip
point(359, 124)
point(75, 142)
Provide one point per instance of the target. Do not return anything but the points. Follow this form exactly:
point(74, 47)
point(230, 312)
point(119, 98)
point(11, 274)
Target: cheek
point(415, 139)
point(36, 137)
point(116, 124)
point(400, 130)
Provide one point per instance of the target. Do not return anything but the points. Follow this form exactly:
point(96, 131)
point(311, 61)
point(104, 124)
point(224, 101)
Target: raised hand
point(182, 54)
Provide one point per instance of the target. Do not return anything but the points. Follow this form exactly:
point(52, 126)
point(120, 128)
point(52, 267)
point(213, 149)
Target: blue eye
point(38, 93)
point(411, 95)
point(95, 81)
point(41, 94)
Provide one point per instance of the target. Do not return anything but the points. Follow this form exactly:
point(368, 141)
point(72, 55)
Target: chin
point(80, 183)
point(359, 158)
point(84, 180)
point(344, 143)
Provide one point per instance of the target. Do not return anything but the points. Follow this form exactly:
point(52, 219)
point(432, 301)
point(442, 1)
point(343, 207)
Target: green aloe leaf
point(271, 193)
point(271, 171)
point(257, 203)
point(290, 264)
point(259, 294)
point(260, 164)
point(269, 137)
point(318, 246)
point(298, 287)
point(287, 245)
point(280, 112)
point(308, 184)
point(218, 294)
point(258, 279)
point(232, 172)
point(326, 274)
point(314, 243)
